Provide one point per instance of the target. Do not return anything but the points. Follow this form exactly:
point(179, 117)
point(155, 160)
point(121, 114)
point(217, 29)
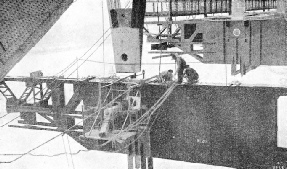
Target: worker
point(191, 75)
point(181, 65)
point(166, 76)
point(110, 114)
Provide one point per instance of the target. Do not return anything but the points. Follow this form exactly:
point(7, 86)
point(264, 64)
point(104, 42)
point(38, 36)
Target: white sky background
point(75, 32)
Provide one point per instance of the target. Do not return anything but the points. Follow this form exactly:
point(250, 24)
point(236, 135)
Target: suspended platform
point(95, 134)
point(234, 125)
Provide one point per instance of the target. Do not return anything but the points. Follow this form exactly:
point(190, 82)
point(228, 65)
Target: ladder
point(6, 91)
point(26, 94)
point(47, 94)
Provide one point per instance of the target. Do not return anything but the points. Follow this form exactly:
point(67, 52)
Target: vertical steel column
point(7, 92)
point(143, 156)
point(41, 91)
point(170, 18)
point(224, 42)
point(148, 149)
point(58, 100)
point(230, 6)
point(210, 6)
point(250, 43)
point(150, 162)
point(130, 156)
point(137, 153)
point(205, 12)
point(170, 10)
point(261, 41)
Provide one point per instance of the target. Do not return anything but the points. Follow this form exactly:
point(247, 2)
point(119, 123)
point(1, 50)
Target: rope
point(116, 81)
point(28, 152)
point(163, 98)
point(71, 153)
point(54, 11)
point(125, 121)
point(103, 36)
point(10, 121)
point(127, 91)
point(159, 66)
point(141, 133)
point(65, 151)
point(74, 62)
point(139, 63)
point(45, 155)
point(89, 116)
point(136, 139)
point(63, 72)
point(4, 115)
point(128, 4)
point(88, 57)
point(167, 93)
point(99, 111)
point(107, 95)
point(99, 106)
point(149, 113)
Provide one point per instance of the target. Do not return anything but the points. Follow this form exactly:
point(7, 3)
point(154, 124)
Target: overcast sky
point(81, 26)
point(69, 38)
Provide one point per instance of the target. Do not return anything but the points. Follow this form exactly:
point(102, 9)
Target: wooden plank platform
point(116, 135)
point(12, 108)
point(75, 116)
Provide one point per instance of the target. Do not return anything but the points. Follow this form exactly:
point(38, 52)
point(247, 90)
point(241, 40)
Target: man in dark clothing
point(181, 65)
point(191, 75)
point(166, 76)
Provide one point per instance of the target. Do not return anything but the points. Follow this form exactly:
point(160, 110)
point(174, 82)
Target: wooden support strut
point(58, 114)
point(130, 156)
point(137, 154)
point(143, 156)
point(139, 151)
point(6, 91)
point(142, 141)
